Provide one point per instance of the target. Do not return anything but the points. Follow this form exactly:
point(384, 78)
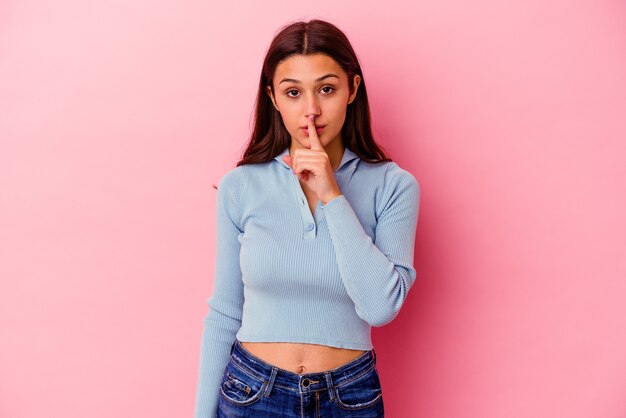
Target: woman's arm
point(226, 303)
point(378, 274)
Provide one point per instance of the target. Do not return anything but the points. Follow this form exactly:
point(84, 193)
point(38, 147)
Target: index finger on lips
point(316, 144)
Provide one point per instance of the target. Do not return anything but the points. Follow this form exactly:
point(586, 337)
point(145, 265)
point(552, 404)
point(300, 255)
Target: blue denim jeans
point(253, 388)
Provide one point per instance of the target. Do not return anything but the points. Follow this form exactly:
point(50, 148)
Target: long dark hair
point(270, 136)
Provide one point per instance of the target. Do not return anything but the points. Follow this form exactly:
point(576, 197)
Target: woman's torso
point(299, 357)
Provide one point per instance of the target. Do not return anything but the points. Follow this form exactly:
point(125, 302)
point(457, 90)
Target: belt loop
point(374, 353)
point(331, 389)
point(270, 385)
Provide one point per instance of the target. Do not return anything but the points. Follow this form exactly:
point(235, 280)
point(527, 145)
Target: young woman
point(315, 240)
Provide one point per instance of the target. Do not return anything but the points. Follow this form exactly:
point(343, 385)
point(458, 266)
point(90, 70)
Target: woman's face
point(312, 85)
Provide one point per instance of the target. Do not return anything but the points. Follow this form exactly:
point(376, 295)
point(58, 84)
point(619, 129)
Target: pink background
point(117, 117)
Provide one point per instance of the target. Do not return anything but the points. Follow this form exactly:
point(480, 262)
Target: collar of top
point(348, 155)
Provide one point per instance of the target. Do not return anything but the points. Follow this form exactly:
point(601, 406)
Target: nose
point(312, 106)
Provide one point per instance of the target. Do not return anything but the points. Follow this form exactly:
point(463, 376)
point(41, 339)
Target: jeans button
point(306, 382)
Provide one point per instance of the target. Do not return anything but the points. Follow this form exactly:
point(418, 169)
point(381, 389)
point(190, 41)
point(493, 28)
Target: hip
point(251, 387)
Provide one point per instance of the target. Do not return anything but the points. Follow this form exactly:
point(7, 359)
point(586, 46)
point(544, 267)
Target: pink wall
point(117, 117)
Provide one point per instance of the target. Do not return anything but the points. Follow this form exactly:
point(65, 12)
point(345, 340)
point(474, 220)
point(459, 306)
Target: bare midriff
point(301, 358)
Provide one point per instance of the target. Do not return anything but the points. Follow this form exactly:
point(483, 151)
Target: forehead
point(307, 67)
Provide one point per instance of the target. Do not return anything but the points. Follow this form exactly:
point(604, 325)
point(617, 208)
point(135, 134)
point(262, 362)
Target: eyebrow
point(319, 79)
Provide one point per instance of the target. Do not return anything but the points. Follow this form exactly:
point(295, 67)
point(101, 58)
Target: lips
point(318, 129)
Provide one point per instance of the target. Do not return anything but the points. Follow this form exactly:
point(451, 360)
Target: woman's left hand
point(312, 166)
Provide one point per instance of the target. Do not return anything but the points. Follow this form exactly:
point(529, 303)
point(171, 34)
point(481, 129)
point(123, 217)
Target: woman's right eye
point(289, 91)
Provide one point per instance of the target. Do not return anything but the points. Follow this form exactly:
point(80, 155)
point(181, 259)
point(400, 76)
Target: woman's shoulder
point(399, 189)
point(401, 175)
point(232, 180)
point(245, 176)
point(391, 174)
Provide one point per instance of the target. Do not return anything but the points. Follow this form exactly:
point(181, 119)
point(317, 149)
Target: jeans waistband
point(307, 382)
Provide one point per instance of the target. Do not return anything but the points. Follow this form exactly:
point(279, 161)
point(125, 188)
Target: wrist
point(330, 197)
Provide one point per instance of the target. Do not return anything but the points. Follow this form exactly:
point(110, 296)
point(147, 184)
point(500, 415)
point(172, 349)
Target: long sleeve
point(377, 274)
point(226, 302)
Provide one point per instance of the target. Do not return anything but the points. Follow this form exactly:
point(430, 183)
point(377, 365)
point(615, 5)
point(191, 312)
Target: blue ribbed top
point(285, 274)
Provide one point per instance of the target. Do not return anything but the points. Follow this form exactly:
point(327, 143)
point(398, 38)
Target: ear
point(268, 89)
point(355, 86)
